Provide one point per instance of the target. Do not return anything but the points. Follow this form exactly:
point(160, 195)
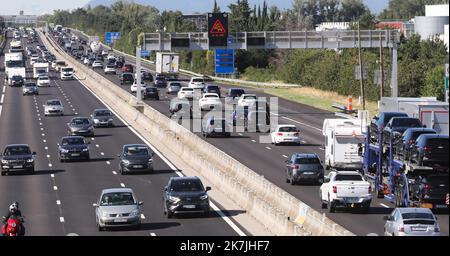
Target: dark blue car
point(73, 148)
point(409, 139)
point(378, 123)
point(430, 150)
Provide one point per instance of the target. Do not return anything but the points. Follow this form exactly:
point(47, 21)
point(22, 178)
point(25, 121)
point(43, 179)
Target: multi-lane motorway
point(57, 199)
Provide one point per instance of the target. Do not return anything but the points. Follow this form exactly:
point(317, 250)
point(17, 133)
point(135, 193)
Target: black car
point(430, 150)
point(398, 125)
point(235, 92)
point(378, 123)
point(409, 139)
point(16, 80)
point(17, 157)
point(215, 127)
point(151, 92)
point(126, 78)
point(160, 81)
point(304, 168)
point(80, 126)
point(102, 117)
point(432, 189)
point(119, 64)
point(135, 158)
point(185, 195)
point(146, 76)
point(212, 89)
point(73, 147)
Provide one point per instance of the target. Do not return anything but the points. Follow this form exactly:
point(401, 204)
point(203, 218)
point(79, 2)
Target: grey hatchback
point(304, 167)
point(117, 207)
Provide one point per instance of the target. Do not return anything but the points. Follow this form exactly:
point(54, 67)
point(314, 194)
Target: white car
point(197, 83)
point(43, 81)
point(345, 188)
point(67, 73)
point(97, 64)
point(186, 93)
point(33, 58)
point(285, 133)
point(246, 100)
point(53, 107)
point(411, 222)
point(133, 87)
point(110, 69)
point(86, 61)
point(57, 65)
point(210, 101)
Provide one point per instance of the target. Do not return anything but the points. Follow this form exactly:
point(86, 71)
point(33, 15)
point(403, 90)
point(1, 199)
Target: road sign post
point(138, 74)
point(111, 37)
point(218, 29)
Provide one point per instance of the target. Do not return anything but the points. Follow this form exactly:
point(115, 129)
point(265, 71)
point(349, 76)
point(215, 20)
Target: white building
point(434, 23)
point(326, 26)
point(436, 10)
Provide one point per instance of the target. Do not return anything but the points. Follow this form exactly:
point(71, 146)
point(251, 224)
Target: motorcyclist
point(14, 211)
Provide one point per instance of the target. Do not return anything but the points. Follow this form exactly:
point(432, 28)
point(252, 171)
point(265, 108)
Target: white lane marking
point(114, 172)
point(303, 141)
point(97, 145)
point(385, 206)
point(42, 129)
point(321, 148)
point(253, 140)
point(92, 139)
point(101, 153)
point(48, 156)
point(73, 109)
point(2, 98)
point(50, 165)
point(268, 148)
point(285, 156)
point(58, 202)
point(122, 185)
point(52, 175)
point(4, 89)
point(39, 115)
point(142, 216)
point(39, 119)
point(46, 148)
point(44, 141)
point(61, 219)
point(172, 166)
point(295, 121)
point(76, 113)
point(55, 188)
point(240, 134)
point(40, 123)
point(1, 110)
point(43, 134)
point(108, 162)
point(152, 234)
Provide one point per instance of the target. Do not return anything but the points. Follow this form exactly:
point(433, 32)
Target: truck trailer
point(167, 63)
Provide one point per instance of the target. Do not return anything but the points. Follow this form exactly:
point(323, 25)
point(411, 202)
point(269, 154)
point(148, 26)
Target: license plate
point(137, 166)
point(17, 166)
point(419, 228)
point(189, 206)
point(120, 220)
point(308, 173)
point(351, 199)
point(75, 154)
point(440, 206)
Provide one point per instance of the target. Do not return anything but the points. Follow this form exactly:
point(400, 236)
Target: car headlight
point(204, 197)
point(126, 162)
point(64, 150)
point(104, 214)
point(110, 120)
point(96, 120)
point(30, 160)
point(4, 161)
point(90, 128)
point(150, 160)
point(174, 199)
point(85, 149)
point(134, 213)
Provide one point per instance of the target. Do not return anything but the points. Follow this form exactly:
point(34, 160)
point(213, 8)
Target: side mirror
point(208, 189)
point(326, 180)
point(34, 153)
point(140, 203)
point(88, 142)
point(387, 218)
point(95, 205)
point(165, 188)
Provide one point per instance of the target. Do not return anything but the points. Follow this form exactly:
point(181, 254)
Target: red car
point(127, 68)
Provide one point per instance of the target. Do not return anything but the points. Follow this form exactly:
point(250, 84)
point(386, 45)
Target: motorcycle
point(13, 227)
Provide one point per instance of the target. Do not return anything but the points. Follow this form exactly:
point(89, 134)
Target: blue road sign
point(224, 61)
point(145, 53)
point(111, 37)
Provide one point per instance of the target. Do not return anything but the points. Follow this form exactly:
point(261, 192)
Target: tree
point(434, 83)
point(352, 10)
point(216, 7)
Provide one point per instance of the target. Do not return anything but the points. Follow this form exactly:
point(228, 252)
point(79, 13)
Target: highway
point(58, 198)
point(269, 160)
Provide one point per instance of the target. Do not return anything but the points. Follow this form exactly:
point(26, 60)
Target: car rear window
point(237, 91)
point(417, 215)
point(417, 222)
point(307, 160)
point(136, 151)
point(197, 80)
point(53, 103)
point(415, 135)
point(187, 89)
point(80, 121)
point(348, 177)
point(102, 113)
point(250, 97)
point(406, 122)
point(17, 150)
point(186, 185)
point(287, 129)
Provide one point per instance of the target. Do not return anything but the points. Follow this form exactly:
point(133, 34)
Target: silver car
point(53, 107)
point(411, 222)
point(117, 207)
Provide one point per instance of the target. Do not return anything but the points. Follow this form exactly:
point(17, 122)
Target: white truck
point(40, 69)
point(15, 46)
point(342, 140)
point(431, 112)
point(14, 66)
point(346, 189)
point(167, 63)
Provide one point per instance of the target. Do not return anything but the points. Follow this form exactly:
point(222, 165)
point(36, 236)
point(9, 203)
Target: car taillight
point(436, 228)
point(334, 189)
point(411, 142)
point(279, 134)
point(427, 186)
point(370, 189)
point(426, 148)
point(295, 167)
point(401, 229)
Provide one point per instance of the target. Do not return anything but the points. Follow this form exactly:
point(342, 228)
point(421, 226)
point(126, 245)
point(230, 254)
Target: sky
point(47, 6)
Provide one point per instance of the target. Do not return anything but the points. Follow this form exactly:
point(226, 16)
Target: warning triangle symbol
point(217, 28)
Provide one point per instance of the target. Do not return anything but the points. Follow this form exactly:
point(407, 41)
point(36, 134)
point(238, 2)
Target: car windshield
point(118, 198)
point(187, 89)
point(54, 103)
point(67, 69)
point(136, 151)
point(17, 150)
point(250, 97)
point(211, 96)
point(160, 78)
point(186, 185)
point(17, 78)
point(197, 80)
point(102, 113)
point(307, 160)
point(127, 76)
point(80, 121)
point(175, 85)
point(287, 129)
point(405, 122)
point(348, 177)
point(72, 141)
point(237, 91)
point(417, 215)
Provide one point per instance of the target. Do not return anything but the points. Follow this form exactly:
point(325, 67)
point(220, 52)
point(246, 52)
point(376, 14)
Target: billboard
point(224, 60)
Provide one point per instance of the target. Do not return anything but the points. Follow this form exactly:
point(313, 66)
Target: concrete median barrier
point(277, 210)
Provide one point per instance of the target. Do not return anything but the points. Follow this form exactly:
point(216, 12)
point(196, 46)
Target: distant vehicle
point(397, 125)
point(57, 65)
point(378, 123)
point(127, 68)
point(185, 195)
point(73, 148)
point(160, 81)
point(409, 139)
point(102, 117)
point(43, 81)
point(30, 88)
point(173, 87)
point(430, 150)
point(285, 133)
point(40, 69)
point(347, 189)
point(117, 207)
point(246, 100)
point(167, 63)
point(110, 69)
point(197, 83)
point(53, 107)
point(97, 64)
point(304, 168)
point(16, 80)
point(151, 92)
point(210, 101)
point(134, 88)
point(80, 126)
point(431, 190)
point(215, 127)
point(211, 88)
point(126, 78)
point(257, 121)
point(86, 61)
point(411, 222)
point(135, 158)
point(186, 93)
point(180, 108)
point(17, 157)
point(145, 76)
point(119, 64)
point(67, 73)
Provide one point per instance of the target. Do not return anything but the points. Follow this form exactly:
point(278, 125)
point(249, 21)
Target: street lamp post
point(361, 83)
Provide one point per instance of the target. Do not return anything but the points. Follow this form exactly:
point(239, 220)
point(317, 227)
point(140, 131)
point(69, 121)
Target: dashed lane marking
point(50, 165)
point(108, 162)
point(268, 148)
point(52, 175)
point(58, 202)
point(101, 153)
point(152, 234)
point(61, 219)
point(114, 172)
point(122, 185)
point(55, 188)
point(253, 140)
point(2, 98)
point(385, 206)
point(285, 156)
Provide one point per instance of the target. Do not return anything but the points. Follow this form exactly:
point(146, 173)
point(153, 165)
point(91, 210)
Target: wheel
point(206, 213)
point(324, 205)
point(169, 215)
point(121, 171)
point(293, 182)
point(3, 173)
point(331, 206)
point(287, 180)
